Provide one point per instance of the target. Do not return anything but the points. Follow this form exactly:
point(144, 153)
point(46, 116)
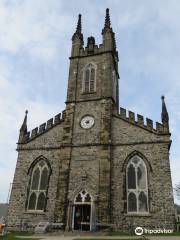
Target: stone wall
point(94, 159)
point(104, 64)
point(154, 149)
point(27, 154)
point(96, 162)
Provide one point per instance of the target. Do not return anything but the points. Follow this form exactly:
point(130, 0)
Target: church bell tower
point(93, 72)
point(92, 97)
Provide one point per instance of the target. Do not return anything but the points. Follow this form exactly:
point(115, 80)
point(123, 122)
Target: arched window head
point(38, 186)
point(137, 186)
point(89, 80)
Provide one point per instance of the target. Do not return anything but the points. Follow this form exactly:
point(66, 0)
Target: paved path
point(62, 237)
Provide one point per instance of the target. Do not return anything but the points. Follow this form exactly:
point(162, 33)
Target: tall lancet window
point(89, 81)
point(38, 186)
point(137, 186)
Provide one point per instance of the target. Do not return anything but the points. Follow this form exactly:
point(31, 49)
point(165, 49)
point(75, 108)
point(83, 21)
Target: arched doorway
point(82, 211)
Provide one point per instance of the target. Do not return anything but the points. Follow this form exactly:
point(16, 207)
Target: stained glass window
point(143, 206)
point(88, 198)
point(41, 201)
point(131, 177)
point(141, 174)
point(132, 202)
point(83, 196)
point(137, 186)
point(79, 198)
point(32, 201)
point(44, 179)
point(38, 186)
point(35, 179)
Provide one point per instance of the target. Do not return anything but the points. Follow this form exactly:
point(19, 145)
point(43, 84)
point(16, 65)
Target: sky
point(35, 44)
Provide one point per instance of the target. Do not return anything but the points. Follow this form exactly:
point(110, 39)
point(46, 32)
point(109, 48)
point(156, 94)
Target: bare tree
point(177, 190)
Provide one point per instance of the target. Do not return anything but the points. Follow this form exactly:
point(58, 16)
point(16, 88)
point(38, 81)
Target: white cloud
point(13, 102)
point(32, 26)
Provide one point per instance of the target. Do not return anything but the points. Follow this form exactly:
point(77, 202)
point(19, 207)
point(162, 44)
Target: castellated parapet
point(92, 50)
point(138, 120)
point(52, 122)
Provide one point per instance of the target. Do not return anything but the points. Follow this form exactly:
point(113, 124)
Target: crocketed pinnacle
point(164, 114)
point(107, 23)
point(79, 25)
point(24, 125)
point(108, 28)
point(78, 32)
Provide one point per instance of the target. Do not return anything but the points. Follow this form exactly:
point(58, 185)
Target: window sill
point(138, 214)
point(85, 93)
point(34, 212)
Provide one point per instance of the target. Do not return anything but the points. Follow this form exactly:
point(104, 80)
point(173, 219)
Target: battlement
point(108, 37)
point(93, 50)
point(147, 124)
point(59, 118)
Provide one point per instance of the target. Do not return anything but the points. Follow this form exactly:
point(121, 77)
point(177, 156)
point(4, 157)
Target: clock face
point(87, 122)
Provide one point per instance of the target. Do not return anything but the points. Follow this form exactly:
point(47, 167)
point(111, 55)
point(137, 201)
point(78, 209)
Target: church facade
point(96, 164)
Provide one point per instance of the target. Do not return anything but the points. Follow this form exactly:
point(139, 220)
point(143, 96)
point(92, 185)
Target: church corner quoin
point(94, 165)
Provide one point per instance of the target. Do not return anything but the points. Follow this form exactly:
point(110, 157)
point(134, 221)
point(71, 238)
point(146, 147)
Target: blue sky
point(35, 43)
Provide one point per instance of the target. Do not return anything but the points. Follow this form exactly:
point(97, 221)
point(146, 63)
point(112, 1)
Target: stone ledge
point(138, 214)
point(34, 212)
point(62, 146)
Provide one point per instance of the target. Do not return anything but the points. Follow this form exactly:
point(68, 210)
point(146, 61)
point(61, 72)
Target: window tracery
point(38, 186)
point(89, 84)
point(137, 186)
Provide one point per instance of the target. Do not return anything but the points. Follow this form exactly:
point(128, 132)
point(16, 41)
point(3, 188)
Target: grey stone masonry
point(93, 158)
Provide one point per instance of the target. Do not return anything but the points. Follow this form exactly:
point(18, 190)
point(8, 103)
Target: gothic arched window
point(38, 186)
point(83, 197)
point(89, 81)
point(137, 186)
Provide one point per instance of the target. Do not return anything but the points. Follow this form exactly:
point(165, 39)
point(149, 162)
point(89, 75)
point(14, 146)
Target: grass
point(118, 233)
point(14, 236)
point(110, 239)
point(165, 234)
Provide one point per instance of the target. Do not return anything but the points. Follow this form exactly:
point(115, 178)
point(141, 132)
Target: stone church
point(95, 165)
